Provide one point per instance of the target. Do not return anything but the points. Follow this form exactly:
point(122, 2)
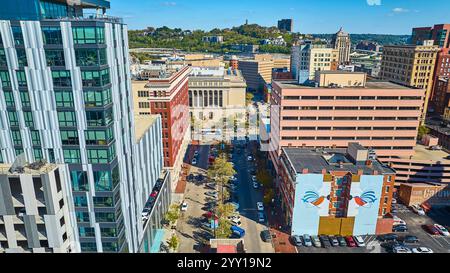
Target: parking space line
point(435, 240)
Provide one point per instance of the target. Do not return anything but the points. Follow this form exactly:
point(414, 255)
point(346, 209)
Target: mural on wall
point(312, 200)
point(364, 203)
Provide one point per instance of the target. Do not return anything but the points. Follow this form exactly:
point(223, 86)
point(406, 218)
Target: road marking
point(435, 240)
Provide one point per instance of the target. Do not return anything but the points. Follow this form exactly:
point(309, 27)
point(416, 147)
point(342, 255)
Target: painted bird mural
point(367, 198)
point(313, 198)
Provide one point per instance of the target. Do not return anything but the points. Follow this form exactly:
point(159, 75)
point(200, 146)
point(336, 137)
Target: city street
point(191, 234)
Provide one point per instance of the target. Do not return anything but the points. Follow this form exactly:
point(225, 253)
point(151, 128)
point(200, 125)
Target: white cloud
point(374, 2)
point(169, 4)
point(400, 10)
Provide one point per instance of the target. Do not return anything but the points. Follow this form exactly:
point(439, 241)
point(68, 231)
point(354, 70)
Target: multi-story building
point(342, 42)
point(213, 39)
point(286, 25)
point(215, 94)
point(167, 96)
point(440, 100)
point(308, 58)
point(411, 65)
point(66, 97)
point(380, 115)
point(257, 73)
point(331, 191)
point(368, 46)
point(440, 34)
point(34, 214)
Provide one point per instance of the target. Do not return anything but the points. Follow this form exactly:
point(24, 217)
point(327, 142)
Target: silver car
point(307, 240)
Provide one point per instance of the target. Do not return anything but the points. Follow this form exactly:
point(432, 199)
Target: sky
point(310, 16)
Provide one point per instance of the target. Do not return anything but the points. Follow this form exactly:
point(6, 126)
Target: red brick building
point(169, 98)
point(441, 95)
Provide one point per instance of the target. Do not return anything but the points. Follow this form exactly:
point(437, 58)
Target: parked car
point(249, 158)
point(398, 221)
point(190, 177)
point(194, 161)
point(409, 239)
point(341, 241)
point(359, 241)
point(333, 241)
point(236, 222)
point(238, 232)
point(325, 241)
point(401, 249)
point(254, 179)
point(255, 185)
point(316, 241)
point(211, 185)
point(196, 153)
point(417, 209)
point(212, 194)
point(184, 206)
point(233, 178)
point(261, 217)
point(307, 241)
point(431, 229)
point(154, 194)
point(265, 236)
point(350, 241)
point(387, 237)
point(442, 230)
point(399, 228)
point(260, 206)
point(145, 213)
point(296, 240)
point(422, 250)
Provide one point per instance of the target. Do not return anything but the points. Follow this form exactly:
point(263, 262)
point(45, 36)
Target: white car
point(184, 206)
point(254, 178)
point(249, 158)
point(401, 249)
point(422, 250)
point(196, 153)
point(194, 161)
point(260, 206)
point(145, 213)
point(417, 209)
point(236, 222)
point(399, 222)
point(359, 241)
point(442, 230)
point(255, 185)
point(235, 217)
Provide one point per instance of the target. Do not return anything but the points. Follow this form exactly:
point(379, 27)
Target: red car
point(431, 229)
point(350, 241)
point(154, 194)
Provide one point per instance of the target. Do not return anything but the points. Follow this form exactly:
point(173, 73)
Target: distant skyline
point(318, 16)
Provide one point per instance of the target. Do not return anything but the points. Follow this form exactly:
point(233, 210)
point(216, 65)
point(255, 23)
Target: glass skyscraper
point(65, 96)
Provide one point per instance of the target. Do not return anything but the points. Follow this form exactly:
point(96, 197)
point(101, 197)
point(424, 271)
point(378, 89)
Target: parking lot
point(437, 243)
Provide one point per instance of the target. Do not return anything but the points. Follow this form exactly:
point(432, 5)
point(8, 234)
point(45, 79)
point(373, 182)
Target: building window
point(97, 98)
point(28, 117)
point(67, 119)
point(82, 217)
point(91, 57)
point(88, 247)
point(50, 10)
point(95, 78)
point(16, 137)
point(5, 79)
point(103, 181)
point(79, 181)
point(9, 98)
point(101, 156)
point(99, 118)
point(69, 137)
point(72, 156)
point(55, 57)
point(35, 138)
point(17, 35)
point(52, 35)
point(64, 98)
point(61, 78)
point(88, 35)
point(13, 119)
point(105, 217)
point(3, 61)
point(86, 232)
point(21, 78)
point(103, 202)
point(80, 201)
point(25, 98)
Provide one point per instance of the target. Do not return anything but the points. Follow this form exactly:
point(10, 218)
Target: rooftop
point(142, 124)
point(369, 85)
point(330, 160)
point(36, 168)
point(423, 153)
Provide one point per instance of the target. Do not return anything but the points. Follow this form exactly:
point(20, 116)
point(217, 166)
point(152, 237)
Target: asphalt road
point(248, 197)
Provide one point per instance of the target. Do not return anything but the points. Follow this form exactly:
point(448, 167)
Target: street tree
point(173, 214)
point(221, 172)
point(173, 242)
point(223, 231)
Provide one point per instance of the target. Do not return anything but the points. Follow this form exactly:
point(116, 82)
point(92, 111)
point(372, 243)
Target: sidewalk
point(281, 239)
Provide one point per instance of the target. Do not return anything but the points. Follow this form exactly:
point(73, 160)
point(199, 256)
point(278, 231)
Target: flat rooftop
point(32, 169)
point(369, 85)
point(142, 124)
point(423, 153)
point(316, 161)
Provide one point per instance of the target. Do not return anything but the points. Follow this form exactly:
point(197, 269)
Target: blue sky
point(310, 16)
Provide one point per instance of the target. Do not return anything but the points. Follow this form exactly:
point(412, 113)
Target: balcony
point(89, 17)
